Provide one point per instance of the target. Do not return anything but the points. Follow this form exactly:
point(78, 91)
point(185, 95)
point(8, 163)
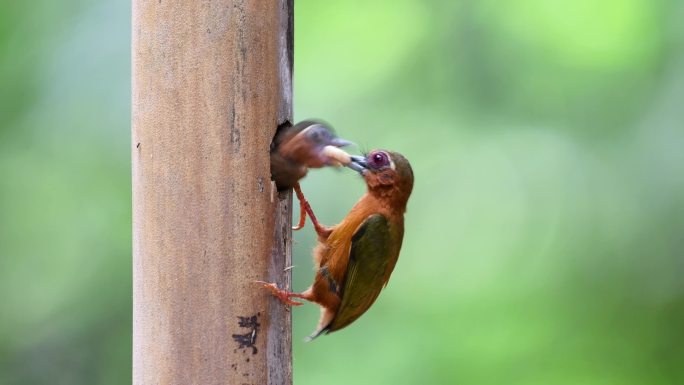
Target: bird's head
point(316, 146)
point(388, 175)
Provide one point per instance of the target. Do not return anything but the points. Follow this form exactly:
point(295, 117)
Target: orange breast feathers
point(333, 252)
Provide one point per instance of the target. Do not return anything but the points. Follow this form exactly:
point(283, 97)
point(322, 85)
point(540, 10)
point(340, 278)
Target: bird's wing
point(372, 256)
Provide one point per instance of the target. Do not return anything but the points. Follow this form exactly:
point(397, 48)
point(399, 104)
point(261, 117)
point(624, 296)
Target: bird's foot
point(305, 208)
point(283, 295)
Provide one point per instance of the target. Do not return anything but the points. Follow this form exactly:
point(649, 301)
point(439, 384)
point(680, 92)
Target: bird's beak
point(339, 142)
point(358, 164)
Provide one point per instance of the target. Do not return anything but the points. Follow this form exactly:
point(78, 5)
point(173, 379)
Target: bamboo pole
point(211, 82)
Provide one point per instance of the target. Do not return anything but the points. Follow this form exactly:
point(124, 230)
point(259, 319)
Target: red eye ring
point(378, 159)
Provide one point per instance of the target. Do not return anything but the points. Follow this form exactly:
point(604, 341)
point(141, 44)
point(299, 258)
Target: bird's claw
point(282, 295)
point(302, 215)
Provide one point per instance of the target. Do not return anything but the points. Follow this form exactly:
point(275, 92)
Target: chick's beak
point(358, 164)
point(339, 142)
point(336, 156)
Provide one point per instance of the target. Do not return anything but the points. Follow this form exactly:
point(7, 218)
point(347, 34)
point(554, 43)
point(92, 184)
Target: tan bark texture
point(211, 82)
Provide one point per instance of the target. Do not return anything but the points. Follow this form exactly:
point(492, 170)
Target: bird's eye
point(379, 159)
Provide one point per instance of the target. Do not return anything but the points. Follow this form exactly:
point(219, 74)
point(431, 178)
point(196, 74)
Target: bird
point(295, 149)
point(355, 258)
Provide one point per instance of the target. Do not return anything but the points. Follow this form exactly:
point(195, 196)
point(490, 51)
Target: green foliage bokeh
point(544, 236)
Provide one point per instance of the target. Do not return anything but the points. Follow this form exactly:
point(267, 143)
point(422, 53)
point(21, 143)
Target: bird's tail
point(316, 334)
point(324, 323)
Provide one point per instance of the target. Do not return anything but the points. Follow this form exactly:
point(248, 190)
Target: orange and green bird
point(295, 149)
point(355, 258)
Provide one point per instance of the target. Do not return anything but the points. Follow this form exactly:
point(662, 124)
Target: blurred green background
point(545, 235)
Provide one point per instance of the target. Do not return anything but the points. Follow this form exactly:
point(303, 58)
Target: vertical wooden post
point(211, 82)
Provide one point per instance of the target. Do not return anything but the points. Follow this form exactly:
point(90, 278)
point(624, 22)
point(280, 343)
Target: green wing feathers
point(374, 252)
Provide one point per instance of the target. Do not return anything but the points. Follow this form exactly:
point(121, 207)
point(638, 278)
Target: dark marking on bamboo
point(248, 339)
